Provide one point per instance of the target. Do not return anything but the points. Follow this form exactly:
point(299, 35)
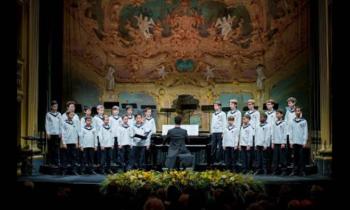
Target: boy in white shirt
point(271, 119)
point(115, 121)
point(125, 143)
point(234, 112)
point(279, 141)
point(53, 134)
point(106, 142)
point(97, 121)
point(218, 124)
point(141, 141)
point(246, 143)
point(230, 143)
point(87, 111)
point(299, 136)
point(70, 132)
point(88, 142)
point(289, 117)
point(131, 118)
point(262, 139)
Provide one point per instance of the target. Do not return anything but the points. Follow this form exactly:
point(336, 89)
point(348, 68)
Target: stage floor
point(97, 179)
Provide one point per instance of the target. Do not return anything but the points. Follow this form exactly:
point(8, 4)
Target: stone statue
point(209, 73)
point(161, 71)
point(110, 78)
point(225, 24)
point(144, 25)
point(260, 77)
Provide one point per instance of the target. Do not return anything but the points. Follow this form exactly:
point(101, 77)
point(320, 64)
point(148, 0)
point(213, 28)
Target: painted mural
point(210, 49)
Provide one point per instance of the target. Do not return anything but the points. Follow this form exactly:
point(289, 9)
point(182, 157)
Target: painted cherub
point(144, 24)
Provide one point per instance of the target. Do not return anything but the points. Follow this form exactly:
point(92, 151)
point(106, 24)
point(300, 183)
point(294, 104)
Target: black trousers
point(245, 158)
point(289, 152)
point(70, 155)
point(97, 154)
point(138, 154)
point(298, 153)
point(106, 158)
point(252, 160)
point(261, 157)
point(89, 158)
point(230, 159)
point(125, 156)
point(216, 147)
point(53, 145)
point(279, 158)
point(269, 156)
point(115, 154)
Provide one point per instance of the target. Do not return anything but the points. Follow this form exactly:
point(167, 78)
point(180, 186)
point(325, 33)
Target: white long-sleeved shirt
point(53, 123)
point(230, 136)
point(263, 135)
point(290, 115)
point(131, 120)
point(88, 137)
point(254, 119)
point(151, 123)
point(125, 135)
point(271, 119)
point(98, 121)
point(246, 135)
point(238, 117)
point(82, 122)
point(279, 134)
point(70, 132)
point(299, 132)
point(106, 137)
point(218, 122)
point(143, 130)
point(75, 119)
point(115, 121)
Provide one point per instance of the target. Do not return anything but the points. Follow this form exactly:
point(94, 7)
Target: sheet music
point(192, 130)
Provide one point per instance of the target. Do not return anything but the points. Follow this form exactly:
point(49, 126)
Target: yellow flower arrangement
point(135, 179)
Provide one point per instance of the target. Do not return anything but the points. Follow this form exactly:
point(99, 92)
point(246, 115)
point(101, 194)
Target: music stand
point(189, 107)
point(226, 109)
point(167, 111)
point(32, 139)
point(150, 106)
point(208, 109)
point(134, 105)
point(110, 104)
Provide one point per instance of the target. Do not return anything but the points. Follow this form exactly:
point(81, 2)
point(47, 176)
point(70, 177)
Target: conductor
point(177, 138)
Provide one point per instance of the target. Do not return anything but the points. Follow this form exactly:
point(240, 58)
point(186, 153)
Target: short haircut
point(100, 106)
point(231, 118)
point(251, 101)
point(271, 101)
point(139, 114)
point(128, 107)
point(68, 112)
point(178, 120)
point(247, 116)
point(280, 111)
point(69, 103)
point(125, 116)
point(263, 115)
point(88, 118)
point(53, 102)
point(86, 108)
point(147, 108)
point(292, 99)
point(298, 107)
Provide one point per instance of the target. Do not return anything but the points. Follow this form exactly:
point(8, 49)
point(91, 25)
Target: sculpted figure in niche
point(260, 77)
point(144, 24)
point(110, 78)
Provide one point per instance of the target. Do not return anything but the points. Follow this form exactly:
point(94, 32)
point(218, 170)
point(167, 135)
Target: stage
point(97, 179)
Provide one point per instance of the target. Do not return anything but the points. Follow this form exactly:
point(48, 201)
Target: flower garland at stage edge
point(134, 180)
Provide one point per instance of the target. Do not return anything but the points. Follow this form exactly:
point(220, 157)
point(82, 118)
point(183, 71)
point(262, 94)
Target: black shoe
point(75, 173)
point(110, 171)
point(284, 173)
point(292, 174)
point(302, 173)
point(93, 172)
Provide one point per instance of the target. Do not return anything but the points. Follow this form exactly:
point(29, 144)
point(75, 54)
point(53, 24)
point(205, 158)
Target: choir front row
point(99, 140)
point(262, 141)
